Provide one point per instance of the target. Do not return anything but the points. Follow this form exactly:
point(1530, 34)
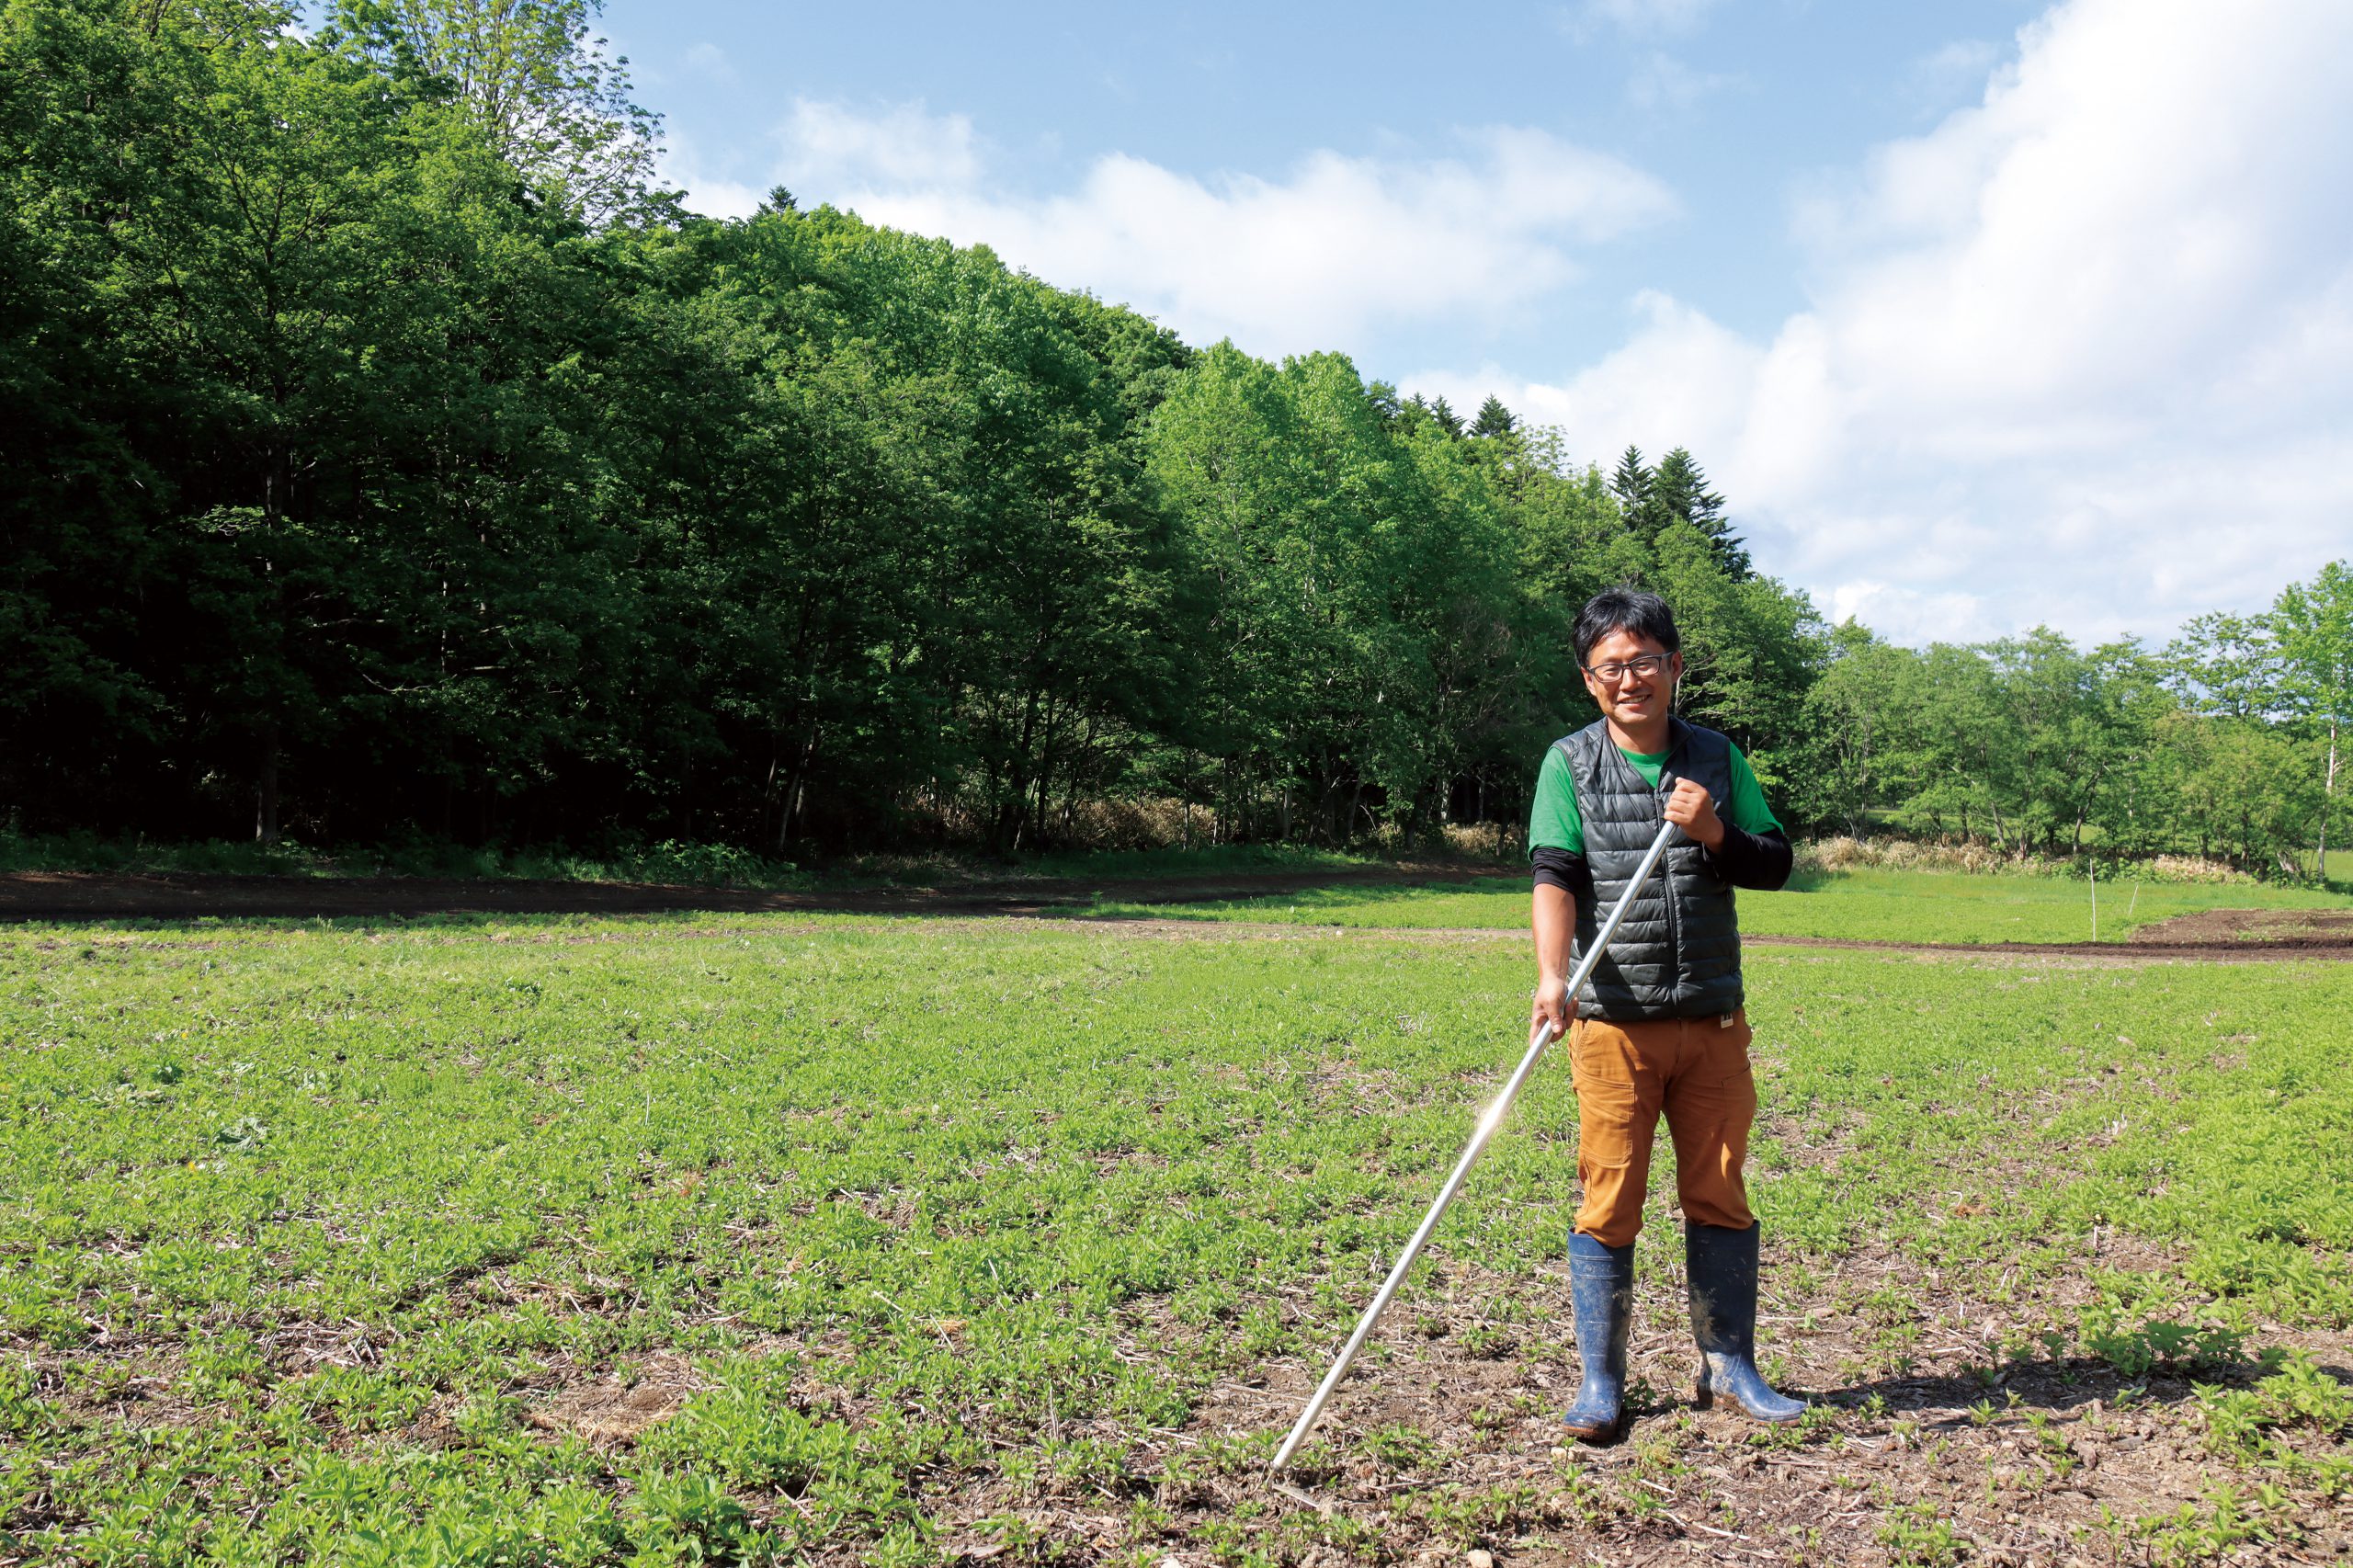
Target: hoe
point(1488, 1121)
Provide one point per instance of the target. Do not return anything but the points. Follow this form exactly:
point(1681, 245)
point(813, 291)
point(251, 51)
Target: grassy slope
point(351, 1203)
point(1899, 906)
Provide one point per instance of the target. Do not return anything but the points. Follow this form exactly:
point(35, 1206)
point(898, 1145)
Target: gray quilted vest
point(1676, 954)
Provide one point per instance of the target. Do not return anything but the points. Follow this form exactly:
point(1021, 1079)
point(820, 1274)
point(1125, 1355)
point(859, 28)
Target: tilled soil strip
point(167, 895)
point(75, 897)
point(2306, 949)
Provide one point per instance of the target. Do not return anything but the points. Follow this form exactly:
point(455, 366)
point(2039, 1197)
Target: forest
point(385, 454)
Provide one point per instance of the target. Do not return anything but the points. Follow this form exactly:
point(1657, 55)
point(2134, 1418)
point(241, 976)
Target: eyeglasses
point(1646, 666)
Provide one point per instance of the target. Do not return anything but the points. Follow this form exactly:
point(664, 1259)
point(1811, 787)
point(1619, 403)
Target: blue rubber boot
point(1601, 1286)
point(1723, 1266)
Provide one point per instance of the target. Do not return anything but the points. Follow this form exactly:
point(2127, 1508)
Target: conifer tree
point(1632, 481)
point(1679, 489)
point(1494, 419)
point(1634, 486)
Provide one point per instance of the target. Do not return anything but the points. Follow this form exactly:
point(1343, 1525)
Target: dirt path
point(2253, 940)
point(2299, 948)
point(164, 896)
point(47, 896)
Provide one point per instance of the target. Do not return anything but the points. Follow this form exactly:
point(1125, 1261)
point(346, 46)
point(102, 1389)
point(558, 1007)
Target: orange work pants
point(1696, 1071)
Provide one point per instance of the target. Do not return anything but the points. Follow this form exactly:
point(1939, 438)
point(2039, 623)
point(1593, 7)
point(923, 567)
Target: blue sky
point(1984, 313)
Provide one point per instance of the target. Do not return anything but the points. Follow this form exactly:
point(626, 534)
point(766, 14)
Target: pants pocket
point(1726, 1051)
point(1607, 1132)
point(1599, 1054)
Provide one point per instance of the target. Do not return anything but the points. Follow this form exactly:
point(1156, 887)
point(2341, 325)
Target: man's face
point(1633, 700)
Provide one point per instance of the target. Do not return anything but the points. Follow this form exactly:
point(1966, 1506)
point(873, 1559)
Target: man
point(1659, 1026)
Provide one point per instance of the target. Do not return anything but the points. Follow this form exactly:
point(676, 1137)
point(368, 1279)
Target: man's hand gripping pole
point(1489, 1120)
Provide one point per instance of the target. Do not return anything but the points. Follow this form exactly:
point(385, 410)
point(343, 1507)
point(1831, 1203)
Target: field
point(1861, 906)
point(736, 1238)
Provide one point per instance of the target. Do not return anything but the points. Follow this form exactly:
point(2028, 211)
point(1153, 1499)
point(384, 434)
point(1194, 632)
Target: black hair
point(1625, 610)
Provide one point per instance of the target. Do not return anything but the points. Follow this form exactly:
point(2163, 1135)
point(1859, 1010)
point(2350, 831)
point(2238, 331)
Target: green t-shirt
point(1555, 823)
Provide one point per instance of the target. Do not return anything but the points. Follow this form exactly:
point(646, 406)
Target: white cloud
point(823, 149)
point(1678, 371)
point(1305, 261)
point(1907, 615)
point(829, 144)
point(2083, 353)
point(686, 166)
point(721, 198)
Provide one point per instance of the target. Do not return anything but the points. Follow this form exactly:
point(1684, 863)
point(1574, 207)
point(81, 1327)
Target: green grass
point(1873, 905)
point(302, 1227)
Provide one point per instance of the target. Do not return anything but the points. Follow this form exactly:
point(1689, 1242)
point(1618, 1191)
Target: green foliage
point(2298, 1395)
point(1916, 1537)
point(2230, 1517)
point(1748, 648)
point(2033, 744)
point(690, 1518)
point(1679, 488)
point(2158, 1344)
point(1654, 500)
point(2273, 1273)
point(547, 97)
point(2312, 626)
point(2276, 690)
point(1368, 642)
point(384, 457)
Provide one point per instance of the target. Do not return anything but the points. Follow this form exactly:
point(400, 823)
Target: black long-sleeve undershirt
point(1759, 860)
point(1561, 868)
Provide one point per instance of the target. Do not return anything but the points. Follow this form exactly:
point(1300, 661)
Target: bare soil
point(2238, 927)
point(613, 1410)
point(2304, 950)
point(1444, 1440)
point(109, 896)
point(2302, 947)
point(96, 897)
point(2023, 1460)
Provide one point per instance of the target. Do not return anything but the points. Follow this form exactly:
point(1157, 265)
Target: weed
point(1396, 1447)
point(2159, 1344)
point(1917, 1538)
point(2248, 1424)
point(2229, 1518)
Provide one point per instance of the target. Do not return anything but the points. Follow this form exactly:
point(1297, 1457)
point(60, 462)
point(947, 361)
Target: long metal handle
point(1489, 1120)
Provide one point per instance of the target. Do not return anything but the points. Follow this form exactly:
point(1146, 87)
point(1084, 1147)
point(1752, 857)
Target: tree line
point(2225, 743)
point(383, 453)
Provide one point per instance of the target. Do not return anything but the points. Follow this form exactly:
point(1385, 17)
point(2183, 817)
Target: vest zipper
point(1666, 880)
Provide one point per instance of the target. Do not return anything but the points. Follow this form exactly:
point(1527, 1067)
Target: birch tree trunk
point(2327, 799)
